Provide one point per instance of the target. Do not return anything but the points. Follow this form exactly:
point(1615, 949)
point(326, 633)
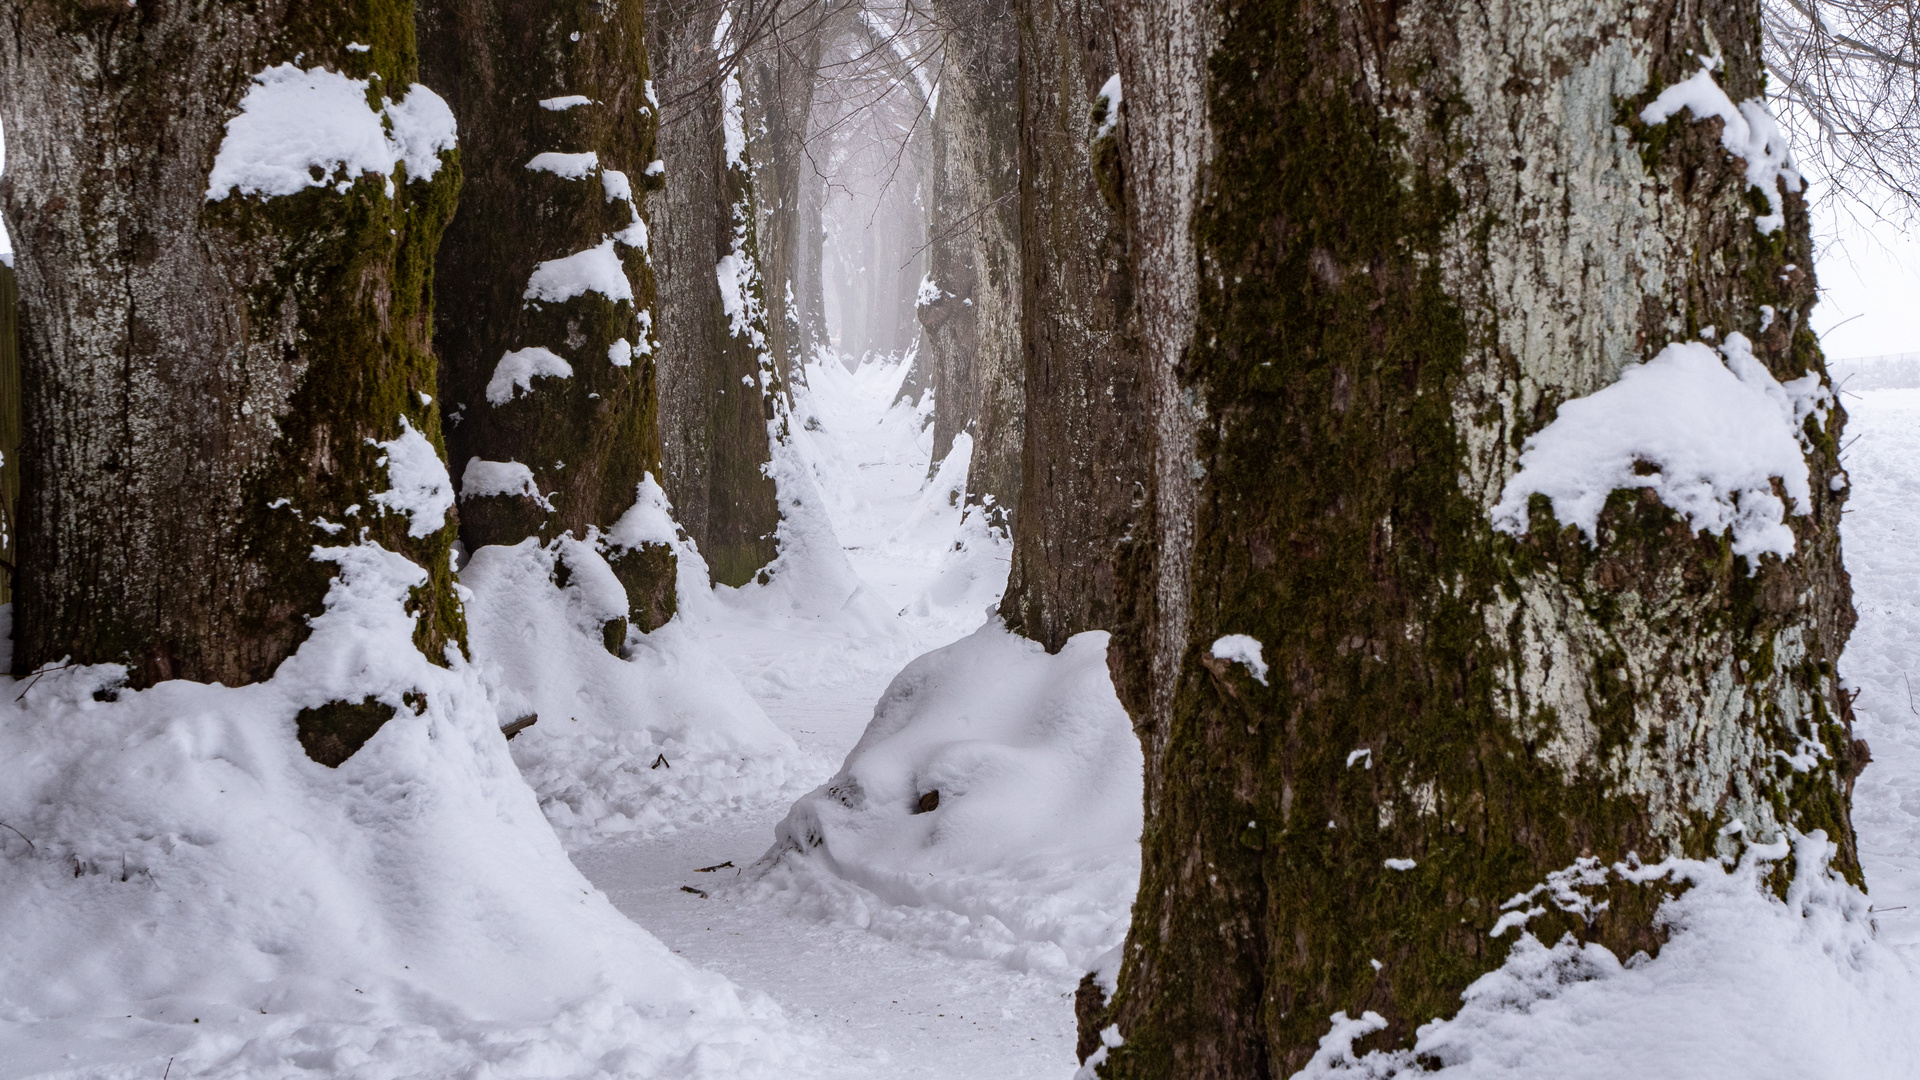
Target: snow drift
point(628, 745)
point(991, 809)
point(184, 889)
point(1749, 986)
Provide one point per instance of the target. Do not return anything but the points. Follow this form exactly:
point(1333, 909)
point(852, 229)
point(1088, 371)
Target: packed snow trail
point(887, 1008)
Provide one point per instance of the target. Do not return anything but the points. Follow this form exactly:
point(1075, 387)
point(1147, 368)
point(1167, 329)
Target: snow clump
point(570, 166)
point(1748, 132)
point(294, 121)
point(499, 478)
point(1242, 649)
point(596, 269)
point(418, 484)
point(1714, 435)
point(517, 369)
point(1106, 106)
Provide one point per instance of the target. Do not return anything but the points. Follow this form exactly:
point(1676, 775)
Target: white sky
point(1869, 284)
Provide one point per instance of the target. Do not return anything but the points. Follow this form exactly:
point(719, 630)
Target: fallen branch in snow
point(519, 725)
point(715, 866)
point(21, 835)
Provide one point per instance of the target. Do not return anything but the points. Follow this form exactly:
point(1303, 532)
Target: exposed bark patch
point(334, 732)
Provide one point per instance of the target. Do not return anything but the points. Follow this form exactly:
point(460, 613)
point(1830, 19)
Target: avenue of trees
point(1248, 311)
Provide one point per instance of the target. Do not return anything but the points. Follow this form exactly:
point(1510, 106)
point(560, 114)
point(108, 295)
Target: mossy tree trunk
point(1424, 228)
point(203, 381)
point(714, 413)
point(973, 325)
point(525, 79)
point(1082, 493)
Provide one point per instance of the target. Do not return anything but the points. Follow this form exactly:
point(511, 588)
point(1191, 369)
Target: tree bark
point(204, 379)
point(1424, 228)
point(588, 437)
point(9, 431)
point(807, 271)
point(1082, 494)
point(713, 417)
point(780, 68)
point(973, 325)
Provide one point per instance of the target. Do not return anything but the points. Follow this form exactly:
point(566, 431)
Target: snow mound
point(625, 746)
point(1747, 986)
point(1714, 435)
point(990, 810)
point(293, 121)
point(185, 891)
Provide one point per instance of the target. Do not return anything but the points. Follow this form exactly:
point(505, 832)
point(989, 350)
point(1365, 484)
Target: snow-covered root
point(991, 810)
point(629, 746)
point(1748, 986)
point(180, 883)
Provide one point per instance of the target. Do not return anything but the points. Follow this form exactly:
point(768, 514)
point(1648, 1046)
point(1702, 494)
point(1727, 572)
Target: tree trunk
point(535, 79)
point(1082, 494)
point(808, 270)
point(713, 418)
point(779, 71)
point(206, 374)
point(9, 430)
point(1402, 269)
point(973, 324)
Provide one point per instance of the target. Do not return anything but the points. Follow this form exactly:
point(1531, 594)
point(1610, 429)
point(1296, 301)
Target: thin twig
point(21, 835)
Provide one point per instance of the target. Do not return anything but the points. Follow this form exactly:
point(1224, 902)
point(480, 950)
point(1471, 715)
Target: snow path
point(888, 1008)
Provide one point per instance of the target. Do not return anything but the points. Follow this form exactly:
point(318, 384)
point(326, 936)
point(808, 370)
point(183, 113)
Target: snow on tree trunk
point(1374, 708)
point(226, 222)
point(971, 308)
point(545, 323)
point(713, 413)
point(1082, 496)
